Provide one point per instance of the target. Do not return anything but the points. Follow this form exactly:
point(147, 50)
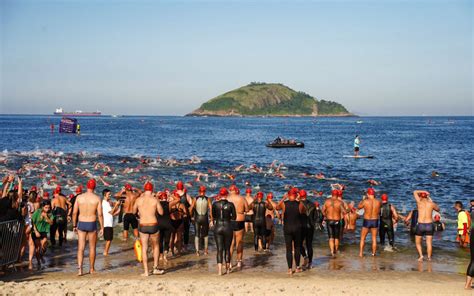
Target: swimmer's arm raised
point(159, 208)
point(361, 204)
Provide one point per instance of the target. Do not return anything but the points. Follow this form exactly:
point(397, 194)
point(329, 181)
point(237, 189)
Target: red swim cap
point(371, 191)
point(202, 189)
point(79, 189)
point(33, 189)
point(248, 190)
point(303, 193)
point(148, 187)
point(91, 184)
point(270, 195)
point(233, 188)
point(223, 192)
point(128, 187)
point(260, 194)
point(71, 196)
point(335, 192)
point(45, 194)
point(437, 218)
point(340, 192)
point(423, 195)
point(180, 185)
point(384, 197)
point(57, 190)
point(316, 204)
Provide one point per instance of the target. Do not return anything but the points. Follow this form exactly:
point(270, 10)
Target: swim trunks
point(238, 225)
point(356, 149)
point(129, 220)
point(87, 226)
point(371, 223)
point(334, 229)
point(423, 229)
point(108, 233)
point(148, 229)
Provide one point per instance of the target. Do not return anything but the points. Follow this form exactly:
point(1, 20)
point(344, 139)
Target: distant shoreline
point(262, 116)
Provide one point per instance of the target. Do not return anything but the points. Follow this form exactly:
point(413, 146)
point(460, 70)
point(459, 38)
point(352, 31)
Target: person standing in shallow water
point(223, 212)
point(424, 227)
point(371, 206)
point(148, 207)
point(291, 211)
point(84, 219)
point(333, 209)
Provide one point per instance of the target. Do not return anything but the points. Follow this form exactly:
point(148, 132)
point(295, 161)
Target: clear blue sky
point(166, 58)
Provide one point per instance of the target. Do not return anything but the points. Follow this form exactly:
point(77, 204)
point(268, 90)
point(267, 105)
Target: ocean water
point(406, 150)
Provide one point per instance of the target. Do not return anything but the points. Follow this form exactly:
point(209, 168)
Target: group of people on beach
point(164, 219)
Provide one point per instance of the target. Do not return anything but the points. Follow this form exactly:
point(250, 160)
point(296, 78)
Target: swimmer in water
point(223, 212)
point(424, 227)
point(333, 210)
point(148, 207)
point(437, 224)
point(241, 207)
point(371, 206)
point(202, 208)
point(87, 211)
point(351, 218)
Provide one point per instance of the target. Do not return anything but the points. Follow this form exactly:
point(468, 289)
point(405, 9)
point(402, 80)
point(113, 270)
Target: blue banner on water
point(68, 125)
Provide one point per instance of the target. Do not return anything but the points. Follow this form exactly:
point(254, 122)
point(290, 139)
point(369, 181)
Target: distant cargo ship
point(61, 112)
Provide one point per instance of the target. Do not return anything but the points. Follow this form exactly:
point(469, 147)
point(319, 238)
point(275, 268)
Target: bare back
point(332, 209)
point(425, 210)
point(88, 204)
point(147, 206)
point(249, 200)
point(59, 202)
point(240, 205)
point(371, 208)
point(129, 202)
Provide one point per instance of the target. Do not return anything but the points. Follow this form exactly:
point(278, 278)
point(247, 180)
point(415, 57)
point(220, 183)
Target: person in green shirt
point(41, 221)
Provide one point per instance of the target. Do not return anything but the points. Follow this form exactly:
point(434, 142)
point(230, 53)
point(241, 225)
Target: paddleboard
point(360, 156)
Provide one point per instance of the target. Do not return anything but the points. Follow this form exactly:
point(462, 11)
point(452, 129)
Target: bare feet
point(80, 273)
point(158, 271)
point(206, 252)
point(420, 259)
point(105, 254)
point(197, 254)
point(298, 269)
point(145, 274)
point(361, 255)
point(290, 271)
point(92, 271)
point(30, 265)
point(239, 264)
point(219, 268)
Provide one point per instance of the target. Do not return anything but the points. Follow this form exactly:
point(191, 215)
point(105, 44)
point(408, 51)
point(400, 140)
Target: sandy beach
point(313, 282)
point(390, 273)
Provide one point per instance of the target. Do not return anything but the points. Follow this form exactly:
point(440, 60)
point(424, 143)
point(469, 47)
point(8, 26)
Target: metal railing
point(11, 235)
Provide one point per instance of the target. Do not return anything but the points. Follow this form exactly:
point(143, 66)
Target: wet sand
point(389, 273)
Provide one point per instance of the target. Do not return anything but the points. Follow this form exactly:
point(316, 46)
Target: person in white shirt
point(109, 210)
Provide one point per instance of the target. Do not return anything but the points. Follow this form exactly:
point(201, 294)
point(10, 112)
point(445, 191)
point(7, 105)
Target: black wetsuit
point(438, 226)
point(413, 222)
point(165, 227)
point(259, 224)
point(308, 222)
point(59, 224)
point(223, 213)
point(201, 219)
point(386, 224)
point(319, 218)
point(187, 219)
point(292, 232)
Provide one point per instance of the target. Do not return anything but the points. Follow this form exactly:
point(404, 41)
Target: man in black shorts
point(109, 210)
point(333, 211)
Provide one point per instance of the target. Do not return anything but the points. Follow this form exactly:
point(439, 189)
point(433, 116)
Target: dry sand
point(256, 283)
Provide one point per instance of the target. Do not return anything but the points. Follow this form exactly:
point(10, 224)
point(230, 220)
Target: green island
point(268, 99)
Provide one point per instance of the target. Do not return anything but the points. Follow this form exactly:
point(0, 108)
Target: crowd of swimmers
point(162, 220)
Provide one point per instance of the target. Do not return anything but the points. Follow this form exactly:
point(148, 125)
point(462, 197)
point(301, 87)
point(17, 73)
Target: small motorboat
point(282, 143)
